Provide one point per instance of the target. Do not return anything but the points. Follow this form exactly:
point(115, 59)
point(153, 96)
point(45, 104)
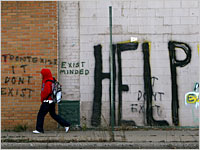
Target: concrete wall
point(83, 25)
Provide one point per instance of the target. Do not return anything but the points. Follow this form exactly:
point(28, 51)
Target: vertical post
point(111, 69)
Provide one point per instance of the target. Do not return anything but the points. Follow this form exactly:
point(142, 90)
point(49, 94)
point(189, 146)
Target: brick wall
point(28, 44)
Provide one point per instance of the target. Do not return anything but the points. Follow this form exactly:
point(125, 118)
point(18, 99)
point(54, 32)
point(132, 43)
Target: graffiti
point(99, 76)
point(139, 108)
point(148, 89)
point(122, 87)
point(73, 68)
point(15, 92)
point(174, 63)
point(196, 87)
point(142, 96)
point(18, 80)
point(148, 95)
point(193, 97)
point(96, 115)
point(72, 64)
point(156, 95)
point(158, 110)
point(22, 66)
point(28, 59)
point(15, 80)
point(153, 80)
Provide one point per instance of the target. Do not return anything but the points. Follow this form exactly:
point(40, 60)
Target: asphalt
point(129, 139)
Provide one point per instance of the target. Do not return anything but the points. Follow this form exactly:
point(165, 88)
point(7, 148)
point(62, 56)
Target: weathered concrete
point(104, 145)
point(185, 139)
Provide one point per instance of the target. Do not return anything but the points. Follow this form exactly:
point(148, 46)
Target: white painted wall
point(85, 24)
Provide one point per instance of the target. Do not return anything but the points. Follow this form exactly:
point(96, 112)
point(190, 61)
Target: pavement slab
point(102, 139)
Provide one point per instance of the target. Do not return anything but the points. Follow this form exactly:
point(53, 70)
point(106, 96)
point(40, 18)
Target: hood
point(46, 74)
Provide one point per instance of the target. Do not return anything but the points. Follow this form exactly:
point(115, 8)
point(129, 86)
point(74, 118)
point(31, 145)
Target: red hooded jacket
point(46, 86)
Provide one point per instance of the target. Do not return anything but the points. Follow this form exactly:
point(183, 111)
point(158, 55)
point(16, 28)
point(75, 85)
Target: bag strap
point(51, 92)
point(48, 96)
point(49, 80)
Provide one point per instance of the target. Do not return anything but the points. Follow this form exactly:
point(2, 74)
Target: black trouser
point(44, 109)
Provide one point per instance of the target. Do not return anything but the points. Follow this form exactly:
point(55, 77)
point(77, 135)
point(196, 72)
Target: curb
point(105, 145)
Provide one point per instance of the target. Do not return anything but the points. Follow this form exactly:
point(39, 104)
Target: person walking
point(47, 104)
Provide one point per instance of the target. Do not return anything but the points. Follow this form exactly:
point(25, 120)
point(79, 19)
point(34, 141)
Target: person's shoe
point(36, 132)
point(66, 129)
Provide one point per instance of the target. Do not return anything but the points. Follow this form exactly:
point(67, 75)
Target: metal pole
point(111, 69)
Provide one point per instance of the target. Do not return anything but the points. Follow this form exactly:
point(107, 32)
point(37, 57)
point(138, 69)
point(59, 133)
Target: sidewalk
point(180, 139)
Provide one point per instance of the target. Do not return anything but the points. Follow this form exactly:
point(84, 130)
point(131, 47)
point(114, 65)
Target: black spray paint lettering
point(134, 108)
point(158, 110)
point(28, 59)
point(72, 64)
point(72, 68)
point(22, 66)
point(121, 87)
point(13, 69)
point(99, 76)
point(24, 69)
point(75, 72)
point(14, 80)
point(142, 109)
point(25, 92)
point(155, 95)
point(10, 91)
point(149, 90)
point(18, 80)
point(174, 63)
point(139, 108)
point(148, 84)
point(153, 80)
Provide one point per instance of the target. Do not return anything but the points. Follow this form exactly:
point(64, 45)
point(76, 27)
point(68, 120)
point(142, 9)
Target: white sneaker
point(66, 129)
point(36, 132)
